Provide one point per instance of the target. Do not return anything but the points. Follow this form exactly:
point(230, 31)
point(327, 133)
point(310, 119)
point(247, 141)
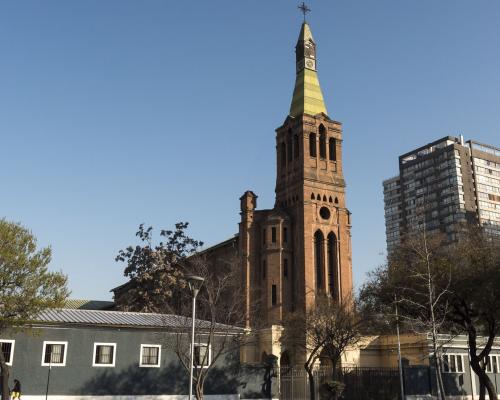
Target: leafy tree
point(155, 272)
point(416, 279)
point(323, 332)
point(475, 298)
point(27, 287)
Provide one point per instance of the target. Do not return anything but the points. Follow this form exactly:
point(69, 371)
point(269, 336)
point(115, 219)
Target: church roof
point(88, 304)
point(307, 96)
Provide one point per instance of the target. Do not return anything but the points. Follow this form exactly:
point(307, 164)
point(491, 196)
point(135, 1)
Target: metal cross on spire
point(304, 9)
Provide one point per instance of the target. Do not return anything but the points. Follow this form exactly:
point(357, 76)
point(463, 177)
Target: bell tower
point(310, 188)
point(302, 246)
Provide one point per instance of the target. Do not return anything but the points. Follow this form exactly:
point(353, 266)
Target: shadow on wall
point(261, 380)
point(249, 381)
point(171, 379)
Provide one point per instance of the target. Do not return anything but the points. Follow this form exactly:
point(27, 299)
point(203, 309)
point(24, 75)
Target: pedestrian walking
point(16, 390)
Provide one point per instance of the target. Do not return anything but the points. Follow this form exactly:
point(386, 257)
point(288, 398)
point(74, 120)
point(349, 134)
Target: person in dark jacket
point(16, 390)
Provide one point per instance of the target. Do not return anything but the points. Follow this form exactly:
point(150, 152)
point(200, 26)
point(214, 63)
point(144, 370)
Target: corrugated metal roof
point(122, 318)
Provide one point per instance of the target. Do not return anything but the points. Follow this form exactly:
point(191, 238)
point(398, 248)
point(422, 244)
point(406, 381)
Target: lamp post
point(400, 361)
point(194, 283)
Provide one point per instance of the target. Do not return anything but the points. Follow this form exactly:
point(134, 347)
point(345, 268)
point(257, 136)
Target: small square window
point(150, 355)
point(54, 354)
point(202, 355)
point(7, 348)
point(104, 355)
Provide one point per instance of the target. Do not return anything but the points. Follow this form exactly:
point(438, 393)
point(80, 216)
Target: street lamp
point(194, 283)
point(400, 361)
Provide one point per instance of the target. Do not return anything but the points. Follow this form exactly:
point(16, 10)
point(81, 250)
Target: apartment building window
point(273, 234)
point(453, 363)
point(150, 355)
point(202, 355)
point(104, 355)
point(264, 236)
point(264, 269)
point(285, 234)
point(285, 267)
point(7, 348)
point(54, 354)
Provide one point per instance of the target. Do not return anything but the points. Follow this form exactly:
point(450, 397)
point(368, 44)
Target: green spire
point(307, 96)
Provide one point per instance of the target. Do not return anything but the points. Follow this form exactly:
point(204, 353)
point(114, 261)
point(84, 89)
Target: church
point(302, 246)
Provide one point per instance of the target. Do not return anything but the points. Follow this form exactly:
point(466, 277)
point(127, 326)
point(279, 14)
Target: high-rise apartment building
point(441, 185)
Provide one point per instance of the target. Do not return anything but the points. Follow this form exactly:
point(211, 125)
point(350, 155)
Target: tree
point(416, 279)
point(27, 287)
point(220, 318)
point(324, 331)
point(155, 272)
point(474, 297)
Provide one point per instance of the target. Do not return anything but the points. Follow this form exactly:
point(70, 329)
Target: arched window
point(289, 145)
point(332, 149)
point(318, 258)
point(324, 198)
point(296, 146)
point(332, 262)
point(312, 196)
point(322, 141)
point(330, 199)
point(283, 154)
point(312, 144)
point(336, 200)
point(318, 197)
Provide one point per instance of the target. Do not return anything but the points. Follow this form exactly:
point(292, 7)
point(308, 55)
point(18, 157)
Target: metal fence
point(360, 383)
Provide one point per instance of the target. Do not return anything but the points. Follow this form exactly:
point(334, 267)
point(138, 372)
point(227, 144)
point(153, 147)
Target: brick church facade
point(302, 246)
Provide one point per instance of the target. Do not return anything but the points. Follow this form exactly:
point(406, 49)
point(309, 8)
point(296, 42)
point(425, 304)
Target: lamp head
point(194, 282)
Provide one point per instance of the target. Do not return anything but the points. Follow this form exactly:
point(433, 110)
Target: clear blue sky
point(118, 112)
